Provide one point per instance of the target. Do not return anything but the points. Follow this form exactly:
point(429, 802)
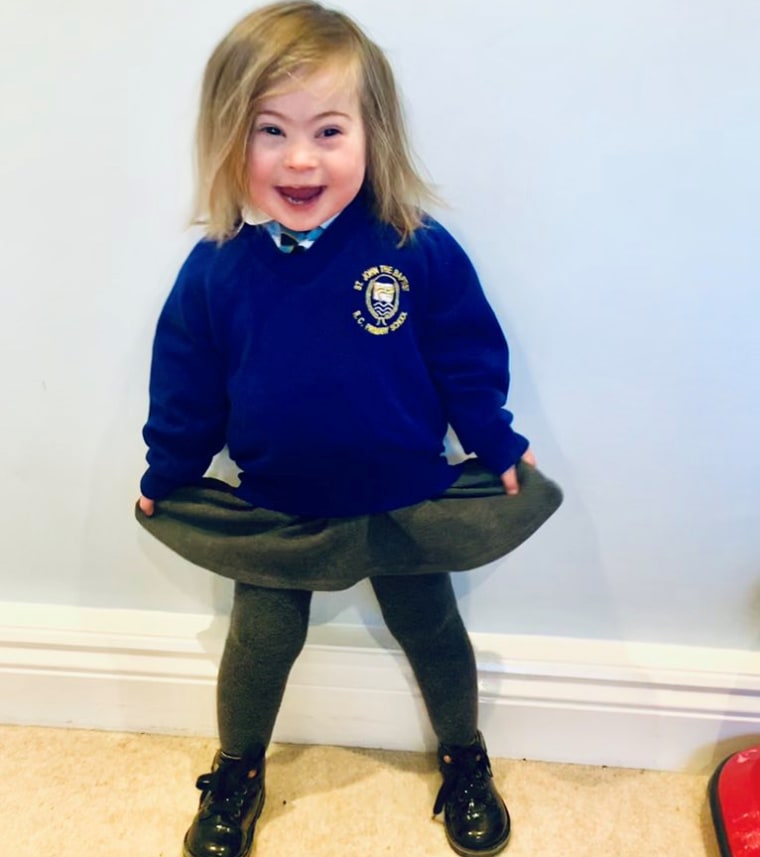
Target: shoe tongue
point(229, 776)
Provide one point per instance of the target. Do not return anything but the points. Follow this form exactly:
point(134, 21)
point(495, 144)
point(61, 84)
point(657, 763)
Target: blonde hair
point(268, 49)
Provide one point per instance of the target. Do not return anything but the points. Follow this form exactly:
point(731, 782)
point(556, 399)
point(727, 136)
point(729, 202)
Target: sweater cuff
point(156, 487)
point(507, 454)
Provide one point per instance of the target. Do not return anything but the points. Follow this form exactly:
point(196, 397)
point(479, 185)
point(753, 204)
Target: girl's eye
point(331, 132)
point(270, 130)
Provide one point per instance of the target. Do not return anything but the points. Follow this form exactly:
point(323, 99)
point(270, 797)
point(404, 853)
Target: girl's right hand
point(509, 477)
point(147, 507)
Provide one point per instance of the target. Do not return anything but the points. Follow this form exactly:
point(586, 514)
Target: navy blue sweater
point(331, 374)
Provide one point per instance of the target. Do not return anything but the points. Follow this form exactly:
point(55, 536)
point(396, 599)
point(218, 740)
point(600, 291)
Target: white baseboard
point(597, 702)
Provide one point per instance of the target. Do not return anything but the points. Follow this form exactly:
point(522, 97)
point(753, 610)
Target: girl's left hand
point(147, 506)
point(509, 477)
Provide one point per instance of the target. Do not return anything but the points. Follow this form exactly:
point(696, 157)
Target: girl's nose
point(300, 155)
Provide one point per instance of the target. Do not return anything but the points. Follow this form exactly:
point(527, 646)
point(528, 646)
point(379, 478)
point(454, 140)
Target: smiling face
point(307, 153)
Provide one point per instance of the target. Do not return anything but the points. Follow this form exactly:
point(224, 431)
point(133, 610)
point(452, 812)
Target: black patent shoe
point(232, 797)
point(476, 817)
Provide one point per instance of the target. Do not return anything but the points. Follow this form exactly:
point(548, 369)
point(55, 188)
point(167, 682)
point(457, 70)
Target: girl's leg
point(422, 614)
point(267, 632)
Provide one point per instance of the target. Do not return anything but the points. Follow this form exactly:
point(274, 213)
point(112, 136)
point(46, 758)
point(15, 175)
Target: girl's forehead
point(329, 81)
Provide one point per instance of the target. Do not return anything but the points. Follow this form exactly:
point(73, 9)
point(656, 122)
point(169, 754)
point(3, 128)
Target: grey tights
point(268, 630)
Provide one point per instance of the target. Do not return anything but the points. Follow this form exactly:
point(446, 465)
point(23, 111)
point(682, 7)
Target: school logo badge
point(382, 287)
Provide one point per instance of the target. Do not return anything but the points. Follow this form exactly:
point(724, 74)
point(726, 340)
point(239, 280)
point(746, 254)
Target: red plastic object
point(735, 804)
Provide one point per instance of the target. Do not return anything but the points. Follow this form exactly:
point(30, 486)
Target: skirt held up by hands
point(473, 523)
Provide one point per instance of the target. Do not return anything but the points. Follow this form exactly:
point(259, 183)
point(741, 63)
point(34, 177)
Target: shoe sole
point(468, 852)
point(247, 845)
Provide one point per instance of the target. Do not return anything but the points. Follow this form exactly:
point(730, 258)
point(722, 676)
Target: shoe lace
point(465, 778)
point(225, 791)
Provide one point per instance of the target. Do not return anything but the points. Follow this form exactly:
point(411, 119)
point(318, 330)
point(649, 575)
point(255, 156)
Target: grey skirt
point(473, 523)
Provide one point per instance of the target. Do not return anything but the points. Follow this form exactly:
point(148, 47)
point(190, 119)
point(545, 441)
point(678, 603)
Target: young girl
point(328, 332)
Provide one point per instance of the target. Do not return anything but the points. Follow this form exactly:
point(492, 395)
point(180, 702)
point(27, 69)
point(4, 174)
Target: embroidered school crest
point(382, 287)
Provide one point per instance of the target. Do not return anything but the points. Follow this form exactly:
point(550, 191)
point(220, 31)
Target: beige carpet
point(69, 793)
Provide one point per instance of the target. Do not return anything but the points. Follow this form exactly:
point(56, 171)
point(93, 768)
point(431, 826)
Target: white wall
point(601, 164)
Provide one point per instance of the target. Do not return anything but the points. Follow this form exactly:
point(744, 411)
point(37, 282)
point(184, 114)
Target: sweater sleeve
point(188, 411)
point(468, 357)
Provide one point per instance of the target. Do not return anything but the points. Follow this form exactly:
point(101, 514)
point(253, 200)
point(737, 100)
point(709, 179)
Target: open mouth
point(300, 195)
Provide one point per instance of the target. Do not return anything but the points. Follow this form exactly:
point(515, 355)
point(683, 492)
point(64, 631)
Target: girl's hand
point(509, 477)
point(147, 507)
